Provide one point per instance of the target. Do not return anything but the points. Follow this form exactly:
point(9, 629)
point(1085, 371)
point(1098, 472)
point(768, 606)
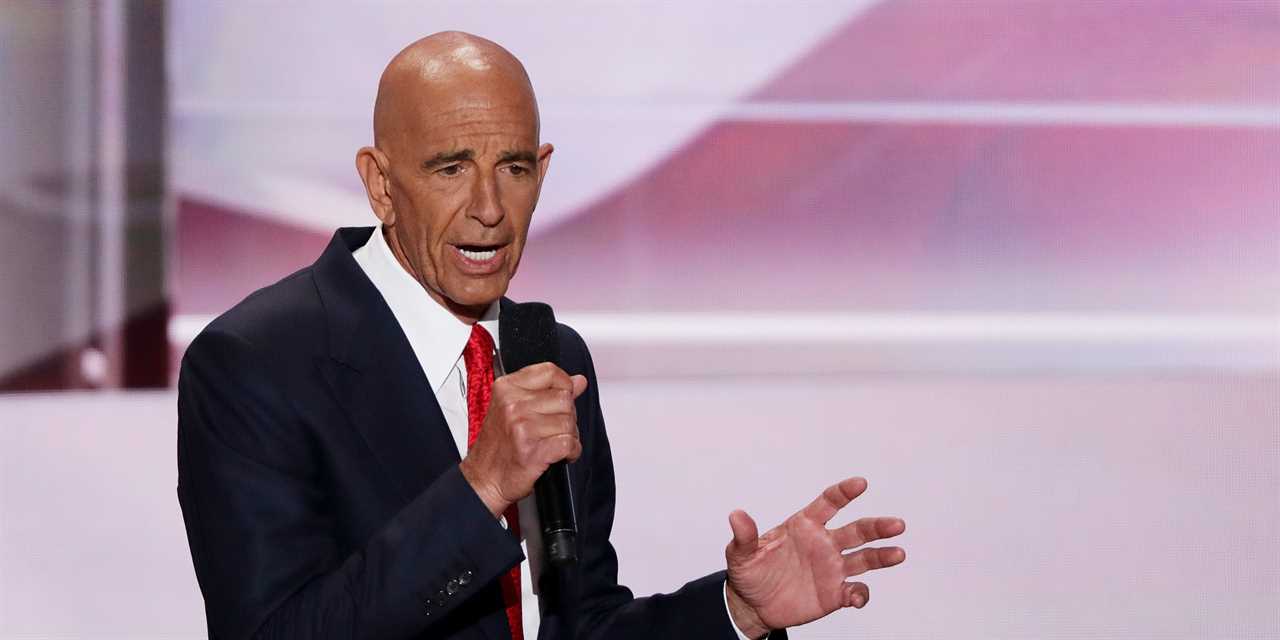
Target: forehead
point(477, 119)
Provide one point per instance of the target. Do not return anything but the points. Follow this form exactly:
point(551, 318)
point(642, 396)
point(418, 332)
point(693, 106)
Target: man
point(349, 466)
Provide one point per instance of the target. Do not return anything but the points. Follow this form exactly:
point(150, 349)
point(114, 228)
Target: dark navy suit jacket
point(321, 492)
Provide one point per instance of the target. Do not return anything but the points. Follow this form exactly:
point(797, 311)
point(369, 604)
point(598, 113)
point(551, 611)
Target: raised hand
point(796, 572)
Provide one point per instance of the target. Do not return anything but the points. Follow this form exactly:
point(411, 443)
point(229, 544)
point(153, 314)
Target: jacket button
point(465, 578)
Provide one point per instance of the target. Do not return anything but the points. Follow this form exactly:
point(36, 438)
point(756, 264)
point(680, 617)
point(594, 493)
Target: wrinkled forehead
point(475, 116)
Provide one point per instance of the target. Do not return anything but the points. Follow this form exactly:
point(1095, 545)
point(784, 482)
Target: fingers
point(856, 594)
point(544, 375)
point(550, 437)
point(550, 402)
point(865, 560)
point(834, 498)
point(560, 447)
point(746, 535)
point(864, 530)
point(543, 427)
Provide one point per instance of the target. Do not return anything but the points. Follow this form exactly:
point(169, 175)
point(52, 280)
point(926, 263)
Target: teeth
point(479, 256)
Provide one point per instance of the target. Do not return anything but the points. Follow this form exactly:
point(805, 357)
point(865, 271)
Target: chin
point(479, 296)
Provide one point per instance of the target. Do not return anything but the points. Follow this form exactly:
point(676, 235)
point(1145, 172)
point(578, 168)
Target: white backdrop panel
point(1040, 506)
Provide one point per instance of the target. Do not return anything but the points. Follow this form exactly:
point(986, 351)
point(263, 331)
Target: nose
point(486, 201)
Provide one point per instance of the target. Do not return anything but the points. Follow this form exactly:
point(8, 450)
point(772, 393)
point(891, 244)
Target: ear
point(544, 160)
point(544, 163)
point(374, 168)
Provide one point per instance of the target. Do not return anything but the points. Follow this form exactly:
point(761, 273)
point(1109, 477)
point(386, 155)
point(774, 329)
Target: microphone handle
point(555, 510)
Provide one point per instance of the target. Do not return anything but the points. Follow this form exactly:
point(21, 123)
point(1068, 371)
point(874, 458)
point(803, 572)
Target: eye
point(450, 170)
point(517, 169)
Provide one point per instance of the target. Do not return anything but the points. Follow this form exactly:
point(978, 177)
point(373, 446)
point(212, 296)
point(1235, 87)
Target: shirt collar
point(436, 335)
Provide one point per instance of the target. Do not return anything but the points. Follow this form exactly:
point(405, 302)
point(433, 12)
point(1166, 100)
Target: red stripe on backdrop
point(855, 216)
point(224, 255)
point(1198, 51)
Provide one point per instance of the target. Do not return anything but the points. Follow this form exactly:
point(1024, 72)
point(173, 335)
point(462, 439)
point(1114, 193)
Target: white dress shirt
point(438, 339)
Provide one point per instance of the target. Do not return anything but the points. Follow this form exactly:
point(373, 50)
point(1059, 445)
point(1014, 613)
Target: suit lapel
point(374, 375)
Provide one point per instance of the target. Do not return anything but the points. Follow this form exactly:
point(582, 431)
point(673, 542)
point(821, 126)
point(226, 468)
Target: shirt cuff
point(741, 636)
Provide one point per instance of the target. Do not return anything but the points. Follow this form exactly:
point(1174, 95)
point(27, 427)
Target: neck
point(468, 315)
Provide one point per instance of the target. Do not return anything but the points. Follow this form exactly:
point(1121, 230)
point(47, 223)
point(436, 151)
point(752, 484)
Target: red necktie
point(479, 359)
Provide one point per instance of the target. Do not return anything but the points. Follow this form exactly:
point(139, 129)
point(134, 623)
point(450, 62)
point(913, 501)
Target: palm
point(796, 571)
point(796, 574)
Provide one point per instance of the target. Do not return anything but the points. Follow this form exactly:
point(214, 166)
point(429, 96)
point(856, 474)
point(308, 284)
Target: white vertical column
point(111, 227)
point(79, 304)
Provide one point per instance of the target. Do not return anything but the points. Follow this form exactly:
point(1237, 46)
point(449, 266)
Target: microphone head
point(527, 335)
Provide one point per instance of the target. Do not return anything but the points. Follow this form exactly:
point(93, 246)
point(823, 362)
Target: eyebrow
point(518, 156)
point(446, 157)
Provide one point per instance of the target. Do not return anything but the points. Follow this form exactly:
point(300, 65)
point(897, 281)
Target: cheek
point(428, 217)
point(519, 201)
point(520, 194)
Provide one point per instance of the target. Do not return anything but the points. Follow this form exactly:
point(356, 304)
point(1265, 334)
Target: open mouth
point(478, 252)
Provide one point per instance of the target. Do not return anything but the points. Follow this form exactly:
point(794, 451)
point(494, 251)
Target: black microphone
point(527, 335)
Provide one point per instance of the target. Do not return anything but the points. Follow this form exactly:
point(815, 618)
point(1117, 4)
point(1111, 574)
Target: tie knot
point(479, 350)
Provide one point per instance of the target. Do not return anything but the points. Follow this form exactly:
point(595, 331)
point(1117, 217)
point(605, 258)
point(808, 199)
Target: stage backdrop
point(1016, 262)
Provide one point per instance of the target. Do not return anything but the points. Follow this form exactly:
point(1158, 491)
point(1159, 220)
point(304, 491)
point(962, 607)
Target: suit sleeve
point(608, 610)
point(261, 535)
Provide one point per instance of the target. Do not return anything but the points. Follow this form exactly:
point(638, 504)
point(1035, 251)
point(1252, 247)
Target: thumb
point(579, 385)
point(745, 534)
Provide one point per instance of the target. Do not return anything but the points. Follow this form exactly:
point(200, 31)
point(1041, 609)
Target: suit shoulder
point(569, 337)
point(284, 317)
point(574, 354)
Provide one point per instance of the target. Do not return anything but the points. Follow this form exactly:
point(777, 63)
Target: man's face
point(465, 173)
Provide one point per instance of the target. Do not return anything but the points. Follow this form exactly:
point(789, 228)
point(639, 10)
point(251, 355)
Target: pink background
point(1017, 263)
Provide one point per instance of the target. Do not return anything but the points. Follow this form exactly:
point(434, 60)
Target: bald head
point(433, 72)
point(456, 167)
